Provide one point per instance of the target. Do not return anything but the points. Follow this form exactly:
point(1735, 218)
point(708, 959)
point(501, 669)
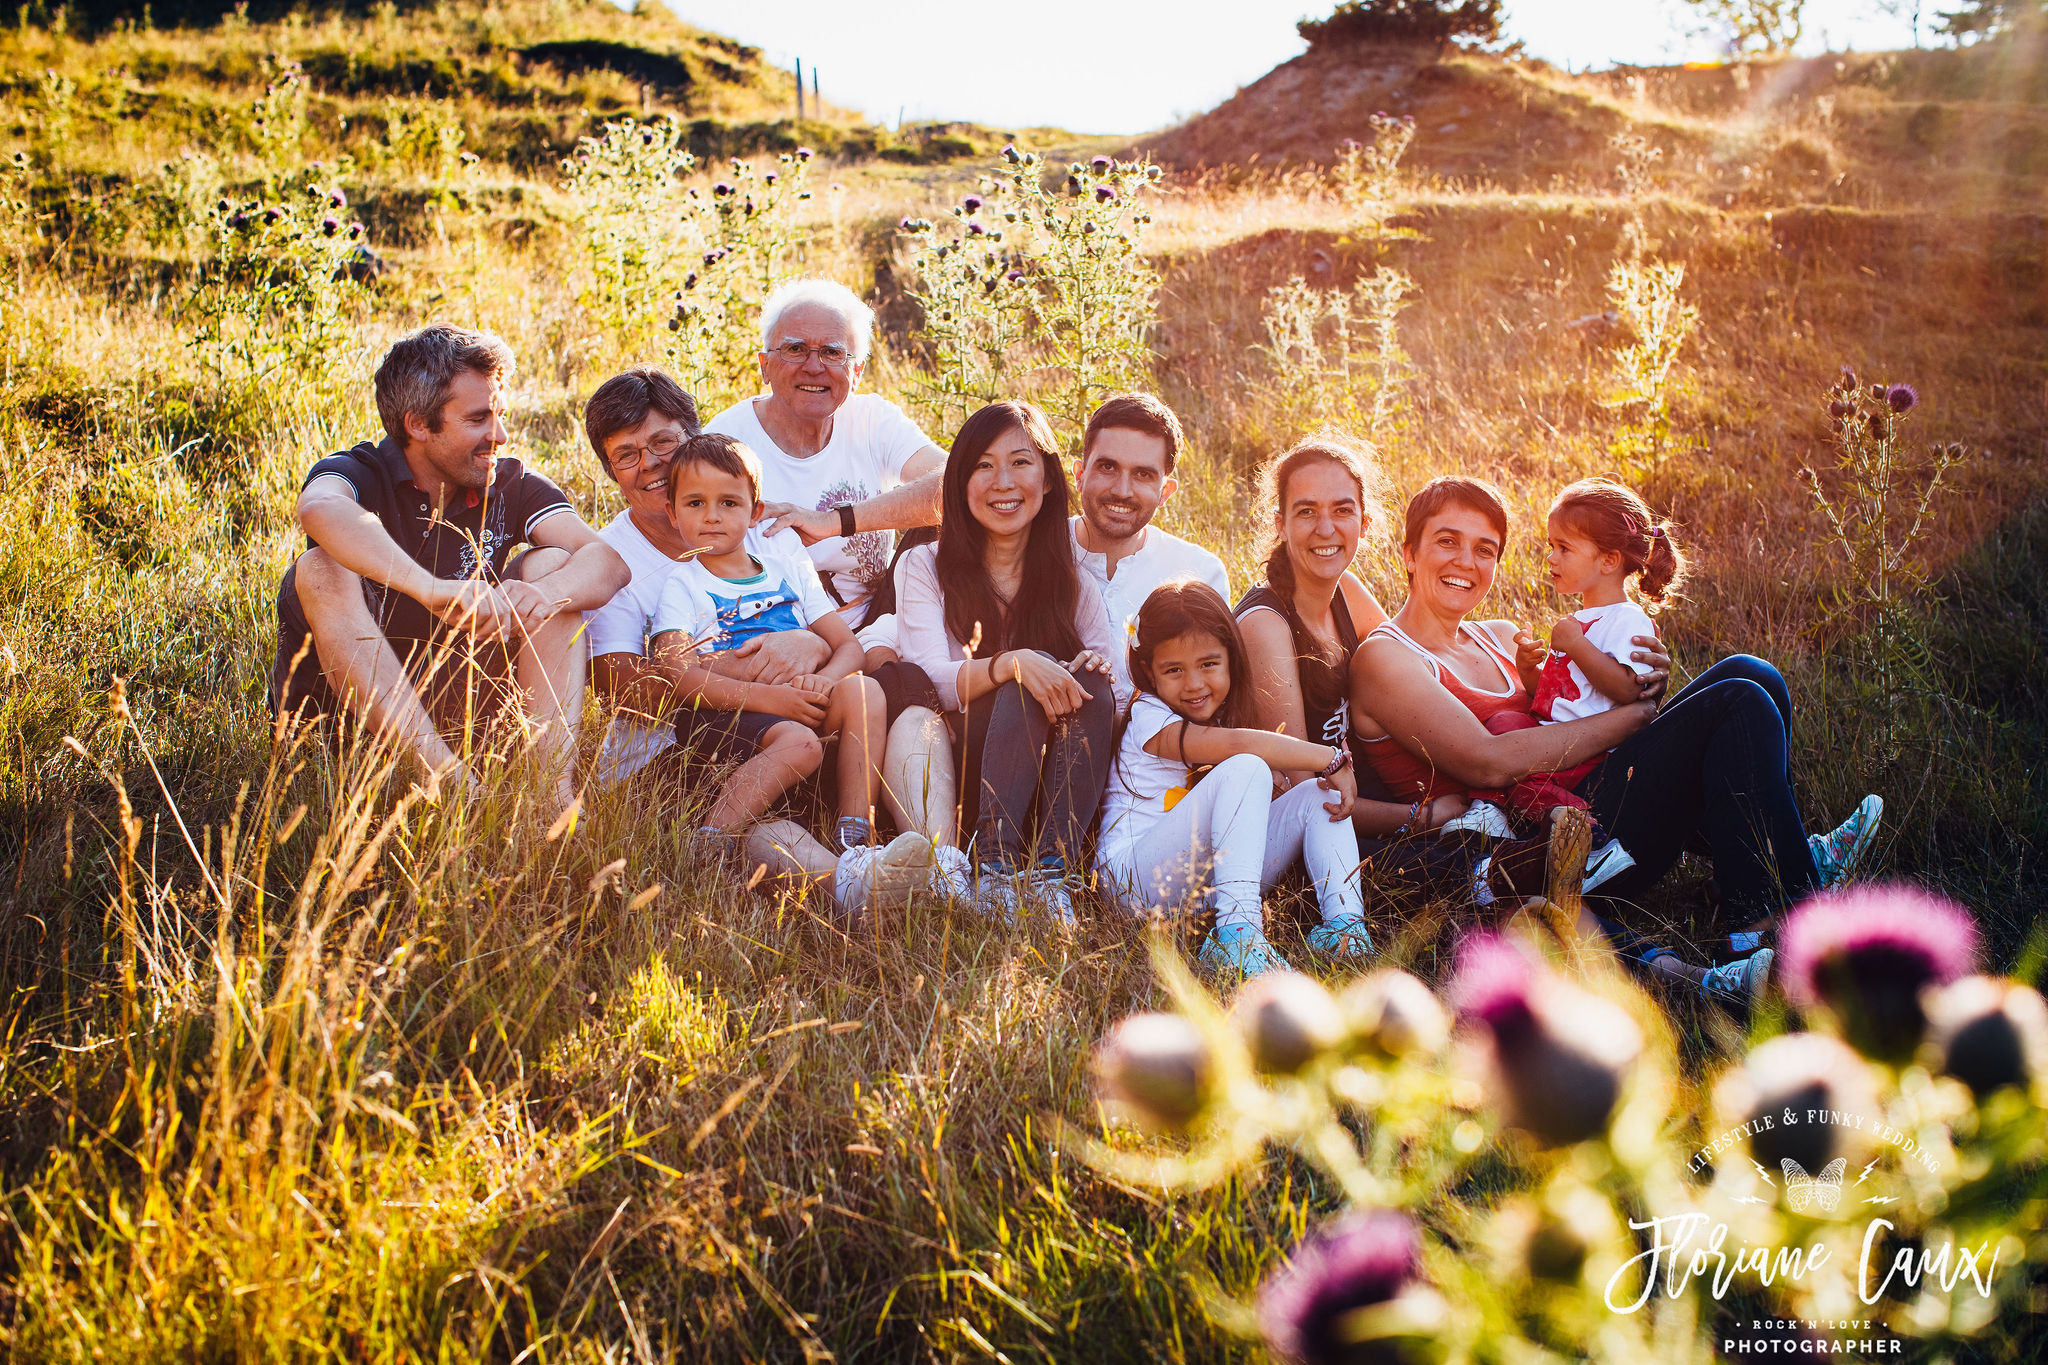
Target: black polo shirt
point(473, 536)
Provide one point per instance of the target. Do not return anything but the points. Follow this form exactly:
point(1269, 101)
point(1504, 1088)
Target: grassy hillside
point(301, 1063)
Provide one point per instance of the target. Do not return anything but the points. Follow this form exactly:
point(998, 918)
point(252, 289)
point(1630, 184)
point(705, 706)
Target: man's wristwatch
point(845, 518)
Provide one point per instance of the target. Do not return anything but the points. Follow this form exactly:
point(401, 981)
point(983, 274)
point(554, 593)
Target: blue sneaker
point(1740, 984)
point(1240, 948)
point(1342, 937)
point(1837, 853)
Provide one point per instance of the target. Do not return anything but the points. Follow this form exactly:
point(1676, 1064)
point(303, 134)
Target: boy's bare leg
point(789, 754)
point(858, 716)
point(788, 850)
point(918, 784)
point(360, 666)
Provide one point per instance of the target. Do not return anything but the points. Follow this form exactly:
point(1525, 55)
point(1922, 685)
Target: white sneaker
point(997, 892)
point(879, 878)
point(1605, 862)
point(1049, 886)
point(1483, 818)
point(952, 874)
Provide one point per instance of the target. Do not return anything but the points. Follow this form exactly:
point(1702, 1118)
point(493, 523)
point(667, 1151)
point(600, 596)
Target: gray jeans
point(1015, 760)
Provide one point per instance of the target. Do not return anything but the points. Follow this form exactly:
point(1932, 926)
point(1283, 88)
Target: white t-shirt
point(623, 625)
point(871, 441)
point(1564, 686)
point(1162, 558)
point(784, 594)
point(1142, 787)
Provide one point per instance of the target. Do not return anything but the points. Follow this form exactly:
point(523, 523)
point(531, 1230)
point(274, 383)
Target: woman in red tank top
point(1425, 683)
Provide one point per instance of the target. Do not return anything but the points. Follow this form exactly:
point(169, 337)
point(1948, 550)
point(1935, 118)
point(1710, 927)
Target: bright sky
point(1131, 66)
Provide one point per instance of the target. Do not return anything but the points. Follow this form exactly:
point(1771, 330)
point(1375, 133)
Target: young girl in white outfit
point(1171, 831)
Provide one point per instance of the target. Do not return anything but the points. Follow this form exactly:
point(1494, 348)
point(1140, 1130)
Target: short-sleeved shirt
point(623, 626)
point(1564, 692)
point(872, 439)
point(783, 594)
point(1142, 786)
point(1162, 558)
point(471, 538)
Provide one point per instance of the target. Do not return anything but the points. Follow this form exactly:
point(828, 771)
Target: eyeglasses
point(658, 448)
point(796, 353)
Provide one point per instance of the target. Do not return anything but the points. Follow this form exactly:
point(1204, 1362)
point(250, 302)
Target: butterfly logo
point(1823, 1191)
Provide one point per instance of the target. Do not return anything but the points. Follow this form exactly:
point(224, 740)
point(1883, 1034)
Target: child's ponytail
point(1664, 568)
point(1618, 521)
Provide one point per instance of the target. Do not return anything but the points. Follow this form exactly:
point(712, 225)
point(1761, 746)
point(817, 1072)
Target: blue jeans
point(1015, 759)
point(1714, 766)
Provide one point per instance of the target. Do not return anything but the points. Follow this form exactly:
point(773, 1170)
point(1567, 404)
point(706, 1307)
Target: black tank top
point(1325, 687)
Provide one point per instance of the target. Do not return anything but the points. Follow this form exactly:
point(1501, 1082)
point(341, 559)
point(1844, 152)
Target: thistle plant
point(277, 120)
point(692, 255)
point(745, 227)
point(1044, 292)
point(1333, 357)
point(276, 293)
point(626, 184)
point(1621, 1205)
point(1878, 515)
point(1363, 175)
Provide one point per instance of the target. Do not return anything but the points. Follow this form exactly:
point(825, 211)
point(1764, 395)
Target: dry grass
point(591, 1117)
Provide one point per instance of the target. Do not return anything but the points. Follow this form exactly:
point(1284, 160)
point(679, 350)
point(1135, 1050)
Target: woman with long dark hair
point(1017, 643)
point(1302, 624)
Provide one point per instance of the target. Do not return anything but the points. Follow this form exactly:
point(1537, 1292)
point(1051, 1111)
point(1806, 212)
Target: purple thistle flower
point(1560, 1054)
point(722, 189)
point(272, 214)
point(803, 154)
point(1799, 1072)
point(975, 229)
point(690, 280)
point(1010, 153)
point(1865, 954)
point(972, 203)
point(1493, 982)
point(1104, 193)
point(770, 178)
point(1364, 1258)
point(1100, 164)
point(1848, 380)
point(355, 229)
point(330, 225)
point(1838, 409)
point(1015, 277)
point(1903, 397)
point(336, 199)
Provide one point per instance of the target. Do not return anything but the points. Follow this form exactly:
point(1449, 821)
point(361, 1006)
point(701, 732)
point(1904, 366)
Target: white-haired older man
point(843, 468)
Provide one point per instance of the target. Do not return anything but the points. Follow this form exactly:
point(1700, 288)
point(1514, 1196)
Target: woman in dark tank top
point(1303, 622)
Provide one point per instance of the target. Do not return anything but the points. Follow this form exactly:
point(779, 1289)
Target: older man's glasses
point(657, 448)
point(796, 353)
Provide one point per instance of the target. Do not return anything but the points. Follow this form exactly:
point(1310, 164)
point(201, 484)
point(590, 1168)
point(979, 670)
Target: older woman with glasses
point(845, 470)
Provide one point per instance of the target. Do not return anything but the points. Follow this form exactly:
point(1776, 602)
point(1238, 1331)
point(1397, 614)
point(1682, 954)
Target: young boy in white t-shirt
point(736, 586)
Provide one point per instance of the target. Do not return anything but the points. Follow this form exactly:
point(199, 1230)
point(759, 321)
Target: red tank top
point(1413, 777)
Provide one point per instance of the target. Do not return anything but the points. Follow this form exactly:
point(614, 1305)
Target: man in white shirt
point(1125, 474)
point(842, 469)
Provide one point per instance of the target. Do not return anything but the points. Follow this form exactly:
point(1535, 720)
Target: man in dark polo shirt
point(409, 610)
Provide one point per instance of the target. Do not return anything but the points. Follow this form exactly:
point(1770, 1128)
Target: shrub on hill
point(1404, 21)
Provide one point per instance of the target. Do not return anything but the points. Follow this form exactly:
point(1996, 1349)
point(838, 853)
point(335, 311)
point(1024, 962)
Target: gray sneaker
point(1740, 984)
